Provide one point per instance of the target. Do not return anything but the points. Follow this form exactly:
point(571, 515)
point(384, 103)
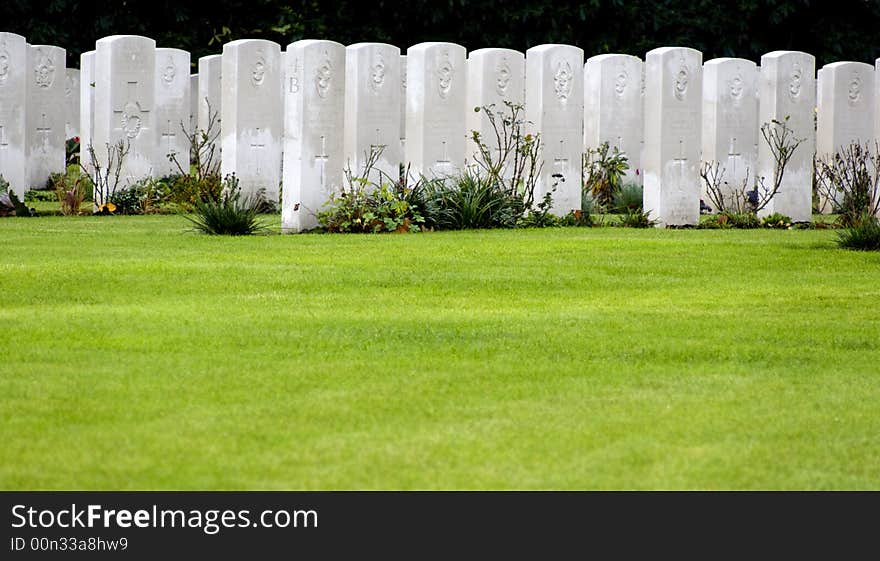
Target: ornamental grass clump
point(230, 214)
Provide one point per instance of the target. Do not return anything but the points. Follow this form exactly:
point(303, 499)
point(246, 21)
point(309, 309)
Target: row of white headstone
point(301, 117)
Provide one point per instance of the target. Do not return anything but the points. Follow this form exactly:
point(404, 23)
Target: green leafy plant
point(363, 206)
point(777, 221)
point(863, 234)
point(140, 198)
point(603, 170)
point(471, 201)
point(636, 218)
point(232, 214)
point(71, 190)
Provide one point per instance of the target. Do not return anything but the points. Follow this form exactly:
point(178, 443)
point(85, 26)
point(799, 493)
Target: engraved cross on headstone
point(322, 161)
point(44, 130)
point(378, 144)
point(170, 136)
point(560, 162)
point(733, 157)
point(130, 98)
point(681, 162)
point(444, 162)
point(257, 144)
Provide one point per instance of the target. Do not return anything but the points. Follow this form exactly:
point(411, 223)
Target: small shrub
point(603, 171)
point(628, 198)
point(540, 216)
point(863, 235)
point(636, 218)
point(365, 207)
point(71, 190)
point(232, 214)
point(741, 220)
point(577, 219)
point(777, 221)
point(848, 183)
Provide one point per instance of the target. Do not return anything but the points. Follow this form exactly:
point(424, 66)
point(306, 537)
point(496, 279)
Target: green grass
point(142, 356)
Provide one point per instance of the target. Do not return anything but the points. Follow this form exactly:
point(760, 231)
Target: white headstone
point(172, 111)
point(846, 114)
point(730, 124)
point(13, 95)
point(193, 102)
point(495, 76)
point(435, 103)
point(45, 113)
point(71, 103)
point(125, 67)
point(86, 107)
point(252, 115)
point(372, 109)
point(673, 102)
point(314, 108)
point(210, 86)
point(613, 107)
point(555, 111)
point(788, 91)
point(402, 104)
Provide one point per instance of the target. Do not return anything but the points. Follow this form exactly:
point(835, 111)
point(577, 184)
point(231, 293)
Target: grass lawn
point(142, 356)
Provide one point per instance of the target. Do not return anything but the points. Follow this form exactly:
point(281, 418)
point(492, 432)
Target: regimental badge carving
point(44, 70)
point(169, 72)
point(294, 77)
point(680, 83)
point(620, 82)
point(323, 76)
point(854, 89)
point(563, 81)
point(794, 84)
point(403, 76)
point(445, 73)
point(68, 86)
point(4, 63)
point(736, 87)
point(131, 119)
point(503, 76)
point(377, 73)
point(258, 72)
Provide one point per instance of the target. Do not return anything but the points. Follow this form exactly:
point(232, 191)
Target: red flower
point(76, 139)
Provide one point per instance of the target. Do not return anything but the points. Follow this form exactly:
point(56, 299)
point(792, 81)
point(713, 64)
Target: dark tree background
point(839, 30)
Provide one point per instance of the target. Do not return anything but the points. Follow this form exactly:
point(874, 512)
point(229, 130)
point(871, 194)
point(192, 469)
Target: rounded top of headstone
point(490, 51)
point(241, 43)
point(369, 46)
point(59, 50)
point(8, 36)
point(196, 75)
point(781, 54)
point(843, 64)
point(123, 38)
point(553, 46)
point(663, 51)
point(303, 43)
point(723, 61)
point(612, 56)
point(210, 58)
